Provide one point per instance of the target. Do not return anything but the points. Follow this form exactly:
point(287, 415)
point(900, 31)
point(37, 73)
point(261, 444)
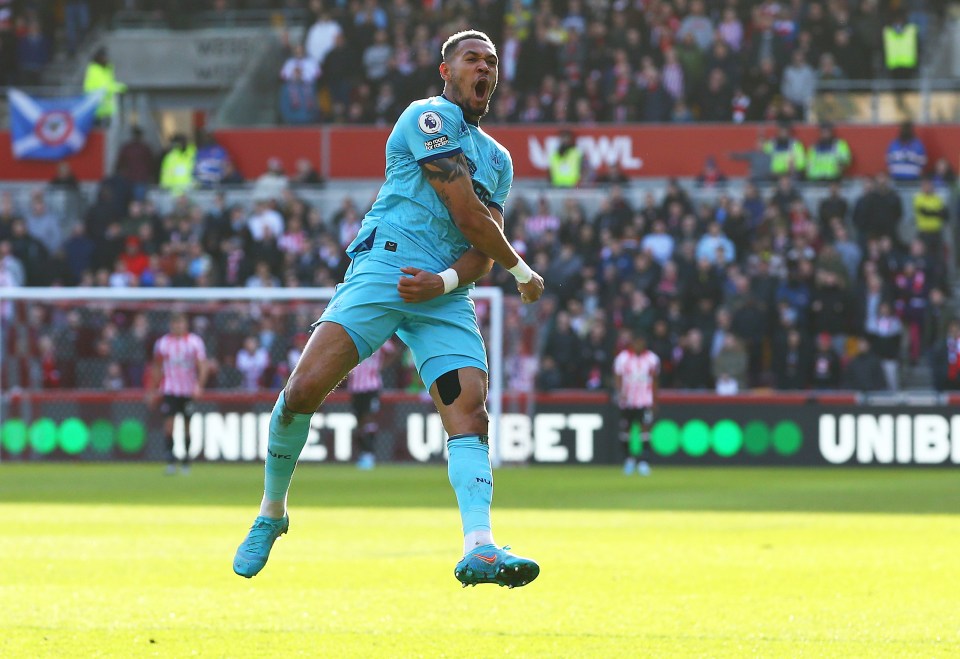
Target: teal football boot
point(490, 564)
point(253, 552)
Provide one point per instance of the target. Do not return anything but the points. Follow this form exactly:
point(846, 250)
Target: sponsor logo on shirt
point(430, 122)
point(435, 143)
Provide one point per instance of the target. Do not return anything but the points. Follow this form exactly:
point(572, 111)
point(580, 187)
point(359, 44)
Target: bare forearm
point(473, 265)
point(450, 178)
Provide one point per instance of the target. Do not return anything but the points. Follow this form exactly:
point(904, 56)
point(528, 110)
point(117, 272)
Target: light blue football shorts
point(442, 333)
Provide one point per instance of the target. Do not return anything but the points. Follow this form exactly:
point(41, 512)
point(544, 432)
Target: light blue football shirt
point(408, 224)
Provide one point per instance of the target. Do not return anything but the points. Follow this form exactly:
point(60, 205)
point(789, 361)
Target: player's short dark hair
point(451, 44)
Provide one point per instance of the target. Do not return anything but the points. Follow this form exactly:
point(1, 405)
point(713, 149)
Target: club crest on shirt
point(430, 122)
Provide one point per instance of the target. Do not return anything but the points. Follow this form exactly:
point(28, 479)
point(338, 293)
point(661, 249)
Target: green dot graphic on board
point(727, 438)
point(74, 436)
point(43, 436)
point(756, 438)
point(13, 436)
point(131, 437)
point(665, 437)
point(787, 438)
point(101, 436)
point(695, 438)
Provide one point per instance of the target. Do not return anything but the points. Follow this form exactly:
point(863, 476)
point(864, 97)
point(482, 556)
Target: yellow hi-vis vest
point(928, 212)
point(102, 78)
point(782, 159)
point(176, 170)
point(900, 48)
point(828, 165)
point(565, 169)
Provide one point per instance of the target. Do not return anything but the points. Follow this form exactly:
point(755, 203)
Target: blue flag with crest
point(50, 128)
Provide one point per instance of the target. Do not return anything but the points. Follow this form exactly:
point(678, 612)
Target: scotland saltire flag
point(50, 128)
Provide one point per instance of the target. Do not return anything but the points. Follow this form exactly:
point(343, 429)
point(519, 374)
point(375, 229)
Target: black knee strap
point(448, 386)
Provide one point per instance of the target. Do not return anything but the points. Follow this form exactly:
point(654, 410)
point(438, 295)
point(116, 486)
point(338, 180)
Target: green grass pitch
point(122, 561)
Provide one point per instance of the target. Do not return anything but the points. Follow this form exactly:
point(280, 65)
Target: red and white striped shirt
point(366, 376)
point(180, 356)
point(637, 376)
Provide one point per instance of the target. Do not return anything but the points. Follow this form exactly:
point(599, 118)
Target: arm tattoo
point(446, 170)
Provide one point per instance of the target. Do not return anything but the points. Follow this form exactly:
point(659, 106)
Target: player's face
point(471, 75)
point(178, 326)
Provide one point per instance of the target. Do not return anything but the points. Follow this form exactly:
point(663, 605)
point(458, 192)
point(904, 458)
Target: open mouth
point(480, 90)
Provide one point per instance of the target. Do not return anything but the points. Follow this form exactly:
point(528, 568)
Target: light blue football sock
point(472, 480)
point(288, 434)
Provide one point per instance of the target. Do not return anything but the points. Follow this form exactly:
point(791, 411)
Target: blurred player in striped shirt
point(179, 375)
point(637, 382)
point(364, 384)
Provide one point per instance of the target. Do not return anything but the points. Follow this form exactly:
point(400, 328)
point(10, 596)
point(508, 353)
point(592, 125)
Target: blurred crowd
point(363, 61)
point(586, 61)
point(751, 286)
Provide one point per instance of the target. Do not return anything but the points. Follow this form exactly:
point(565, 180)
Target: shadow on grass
point(924, 491)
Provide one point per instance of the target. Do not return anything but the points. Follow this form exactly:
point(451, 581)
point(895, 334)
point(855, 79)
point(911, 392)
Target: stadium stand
point(770, 283)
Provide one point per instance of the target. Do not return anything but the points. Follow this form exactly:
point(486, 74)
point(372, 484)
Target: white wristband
point(521, 272)
point(450, 279)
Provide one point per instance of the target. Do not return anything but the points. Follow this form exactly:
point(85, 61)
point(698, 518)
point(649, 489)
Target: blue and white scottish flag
point(50, 128)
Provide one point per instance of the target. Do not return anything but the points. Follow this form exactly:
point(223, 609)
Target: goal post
point(19, 327)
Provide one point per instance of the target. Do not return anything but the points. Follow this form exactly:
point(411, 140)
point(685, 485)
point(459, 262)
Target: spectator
point(906, 155)
point(826, 364)
point(136, 163)
point(694, 367)
point(865, 371)
point(264, 223)
point(377, 56)
point(901, 49)
point(298, 101)
point(176, 168)
point(564, 346)
point(716, 99)
point(711, 176)
point(44, 225)
point(566, 163)
point(759, 161)
point(12, 272)
point(658, 242)
point(791, 361)
point(930, 214)
point(100, 77)
point(272, 184)
point(884, 333)
point(211, 160)
point(787, 156)
point(943, 175)
point(64, 178)
point(730, 364)
point(832, 207)
point(305, 174)
point(878, 211)
point(76, 22)
point(714, 243)
point(308, 68)
point(33, 54)
point(799, 84)
point(252, 361)
point(697, 24)
point(945, 358)
point(321, 38)
point(731, 29)
point(829, 157)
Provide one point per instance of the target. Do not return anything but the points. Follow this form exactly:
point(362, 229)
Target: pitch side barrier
point(792, 429)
